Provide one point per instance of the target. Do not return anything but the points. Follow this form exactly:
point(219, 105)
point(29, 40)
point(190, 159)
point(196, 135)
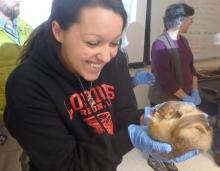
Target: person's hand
point(149, 110)
point(195, 94)
point(183, 157)
point(143, 77)
point(190, 99)
point(141, 140)
point(178, 159)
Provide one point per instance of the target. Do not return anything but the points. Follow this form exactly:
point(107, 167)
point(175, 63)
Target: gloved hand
point(195, 94)
point(191, 99)
point(141, 140)
point(183, 157)
point(143, 77)
point(149, 110)
point(178, 159)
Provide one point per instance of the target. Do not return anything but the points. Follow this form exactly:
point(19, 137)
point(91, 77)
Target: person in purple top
point(172, 65)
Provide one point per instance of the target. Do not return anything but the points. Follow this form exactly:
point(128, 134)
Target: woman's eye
point(96, 43)
point(114, 44)
point(92, 43)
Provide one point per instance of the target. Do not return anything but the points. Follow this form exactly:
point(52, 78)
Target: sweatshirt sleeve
point(32, 118)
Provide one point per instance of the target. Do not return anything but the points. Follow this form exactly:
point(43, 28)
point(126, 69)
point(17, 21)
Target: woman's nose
point(105, 54)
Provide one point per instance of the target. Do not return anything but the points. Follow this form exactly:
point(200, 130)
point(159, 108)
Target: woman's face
point(92, 42)
point(186, 24)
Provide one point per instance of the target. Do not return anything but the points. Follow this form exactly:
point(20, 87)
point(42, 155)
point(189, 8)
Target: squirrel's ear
point(201, 128)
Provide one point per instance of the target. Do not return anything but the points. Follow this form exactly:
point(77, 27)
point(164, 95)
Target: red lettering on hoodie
point(109, 90)
point(102, 96)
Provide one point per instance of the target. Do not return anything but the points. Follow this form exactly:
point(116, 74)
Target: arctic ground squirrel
point(181, 125)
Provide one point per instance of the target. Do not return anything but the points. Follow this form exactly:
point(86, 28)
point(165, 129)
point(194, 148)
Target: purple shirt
point(161, 65)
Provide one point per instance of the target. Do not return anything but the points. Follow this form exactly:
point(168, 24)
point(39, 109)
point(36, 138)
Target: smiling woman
point(66, 87)
point(90, 44)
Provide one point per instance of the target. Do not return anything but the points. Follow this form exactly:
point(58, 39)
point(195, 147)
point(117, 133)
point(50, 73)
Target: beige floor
point(134, 161)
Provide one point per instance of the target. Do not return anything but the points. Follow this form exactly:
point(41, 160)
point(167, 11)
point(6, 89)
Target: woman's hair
point(175, 14)
point(66, 13)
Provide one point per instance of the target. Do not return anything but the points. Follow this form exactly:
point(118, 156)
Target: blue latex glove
point(143, 77)
point(141, 140)
point(148, 146)
point(149, 110)
point(190, 99)
point(178, 159)
point(195, 94)
point(183, 157)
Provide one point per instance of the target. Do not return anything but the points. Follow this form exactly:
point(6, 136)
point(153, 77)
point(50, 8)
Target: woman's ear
point(57, 31)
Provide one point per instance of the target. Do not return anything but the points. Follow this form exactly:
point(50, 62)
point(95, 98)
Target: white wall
point(135, 30)
point(34, 12)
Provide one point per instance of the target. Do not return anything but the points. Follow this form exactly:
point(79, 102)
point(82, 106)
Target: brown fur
point(183, 126)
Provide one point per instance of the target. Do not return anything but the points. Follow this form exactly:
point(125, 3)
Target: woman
point(70, 102)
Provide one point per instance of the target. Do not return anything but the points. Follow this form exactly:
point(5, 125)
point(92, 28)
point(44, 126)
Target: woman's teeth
point(97, 66)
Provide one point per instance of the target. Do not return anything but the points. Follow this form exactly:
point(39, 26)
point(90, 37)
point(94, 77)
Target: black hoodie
point(48, 113)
